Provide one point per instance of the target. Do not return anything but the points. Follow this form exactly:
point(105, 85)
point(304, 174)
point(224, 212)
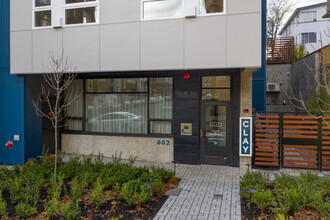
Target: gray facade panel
point(119, 11)
point(45, 41)
point(21, 51)
point(162, 44)
point(120, 48)
point(22, 11)
point(81, 45)
point(205, 42)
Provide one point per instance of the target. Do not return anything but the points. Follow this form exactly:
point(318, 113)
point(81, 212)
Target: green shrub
point(71, 168)
point(70, 210)
point(256, 181)
point(25, 210)
point(152, 179)
point(54, 193)
point(3, 204)
point(165, 174)
point(263, 199)
point(133, 192)
point(97, 195)
point(322, 206)
point(76, 190)
point(15, 186)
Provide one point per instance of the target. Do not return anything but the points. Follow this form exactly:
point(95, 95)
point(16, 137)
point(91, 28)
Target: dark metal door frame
point(216, 160)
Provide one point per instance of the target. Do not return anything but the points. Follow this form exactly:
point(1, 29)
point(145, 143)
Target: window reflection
point(211, 6)
point(116, 113)
point(43, 18)
point(162, 9)
point(81, 15)
point(39, 3)
point(78, 1)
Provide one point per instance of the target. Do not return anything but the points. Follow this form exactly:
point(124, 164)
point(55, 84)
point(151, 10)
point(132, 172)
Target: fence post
point(319, 141)
point(254, 137)
point(281, 139)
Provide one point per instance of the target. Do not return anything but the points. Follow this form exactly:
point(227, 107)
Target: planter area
point(287, 197)
point(84, 189)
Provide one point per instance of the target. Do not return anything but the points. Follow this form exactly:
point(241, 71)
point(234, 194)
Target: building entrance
point(215, 120)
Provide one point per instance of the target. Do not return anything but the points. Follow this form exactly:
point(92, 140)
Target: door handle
point(202, 133)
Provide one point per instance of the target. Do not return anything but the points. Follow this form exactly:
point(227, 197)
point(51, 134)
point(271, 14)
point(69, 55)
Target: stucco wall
point(124, 42)
point(142, 148)
point(280, 101)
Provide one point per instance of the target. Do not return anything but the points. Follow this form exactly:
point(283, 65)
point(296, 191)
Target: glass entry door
point(215, 133)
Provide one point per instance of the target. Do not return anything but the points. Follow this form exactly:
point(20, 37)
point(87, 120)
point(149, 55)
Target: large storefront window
point(123, 106)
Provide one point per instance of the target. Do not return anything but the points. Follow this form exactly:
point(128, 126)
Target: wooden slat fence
point(291, 141)
point(280, 50)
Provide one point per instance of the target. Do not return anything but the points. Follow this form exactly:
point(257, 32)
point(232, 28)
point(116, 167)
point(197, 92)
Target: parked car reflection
point(116, 122)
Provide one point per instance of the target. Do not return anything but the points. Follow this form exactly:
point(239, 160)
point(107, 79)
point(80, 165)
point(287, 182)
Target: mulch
point(113, 208)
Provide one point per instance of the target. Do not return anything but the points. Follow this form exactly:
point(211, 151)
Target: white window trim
point(165, 18)
point(58, 7)
point(90, 4)
point(41, 8)
point(211, 14)
point(197, 5)
point(308, 37)
point(306, 12)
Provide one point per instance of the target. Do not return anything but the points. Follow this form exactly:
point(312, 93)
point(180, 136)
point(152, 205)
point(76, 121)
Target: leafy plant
point(256, 181)
point(299, 51)
point(263, 199)
point(165, 174)
point(25, 210)
point(133, 192)
point(3, 204)
point(70, 210)
point(97, 195)
point(54, 193)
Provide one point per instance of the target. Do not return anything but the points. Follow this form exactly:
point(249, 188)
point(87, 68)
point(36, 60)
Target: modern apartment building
point(160, 80)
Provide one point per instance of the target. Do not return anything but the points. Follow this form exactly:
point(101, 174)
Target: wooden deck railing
point(280, 51)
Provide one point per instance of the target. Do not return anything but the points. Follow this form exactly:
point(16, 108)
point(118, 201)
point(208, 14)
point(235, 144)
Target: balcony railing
point(280, 50)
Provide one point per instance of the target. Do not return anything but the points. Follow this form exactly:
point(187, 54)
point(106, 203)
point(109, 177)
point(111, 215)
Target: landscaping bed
point(287, 197)
point(84, 189)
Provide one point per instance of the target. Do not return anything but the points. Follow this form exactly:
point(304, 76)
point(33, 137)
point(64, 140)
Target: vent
point(273, 87)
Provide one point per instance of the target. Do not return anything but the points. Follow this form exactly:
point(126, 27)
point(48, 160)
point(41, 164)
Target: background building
point(307, 26)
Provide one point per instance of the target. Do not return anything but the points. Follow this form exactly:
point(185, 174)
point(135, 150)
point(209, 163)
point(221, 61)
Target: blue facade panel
point(11, 97)
point(11, 118)
point(4, 34)
point(259, 78)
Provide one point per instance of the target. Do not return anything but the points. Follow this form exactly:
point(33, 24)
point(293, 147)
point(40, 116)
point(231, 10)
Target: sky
point(301, 3)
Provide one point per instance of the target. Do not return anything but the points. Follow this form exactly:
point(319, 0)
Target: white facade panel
point(21, 15)
point(120, 46)
point(246, 6)
point(81, 45)
point(119, 11)
point(122, 40)
point(162, 44)
point(21, 51)
point(205, 42)
point(45, 41)
point(244, 40)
